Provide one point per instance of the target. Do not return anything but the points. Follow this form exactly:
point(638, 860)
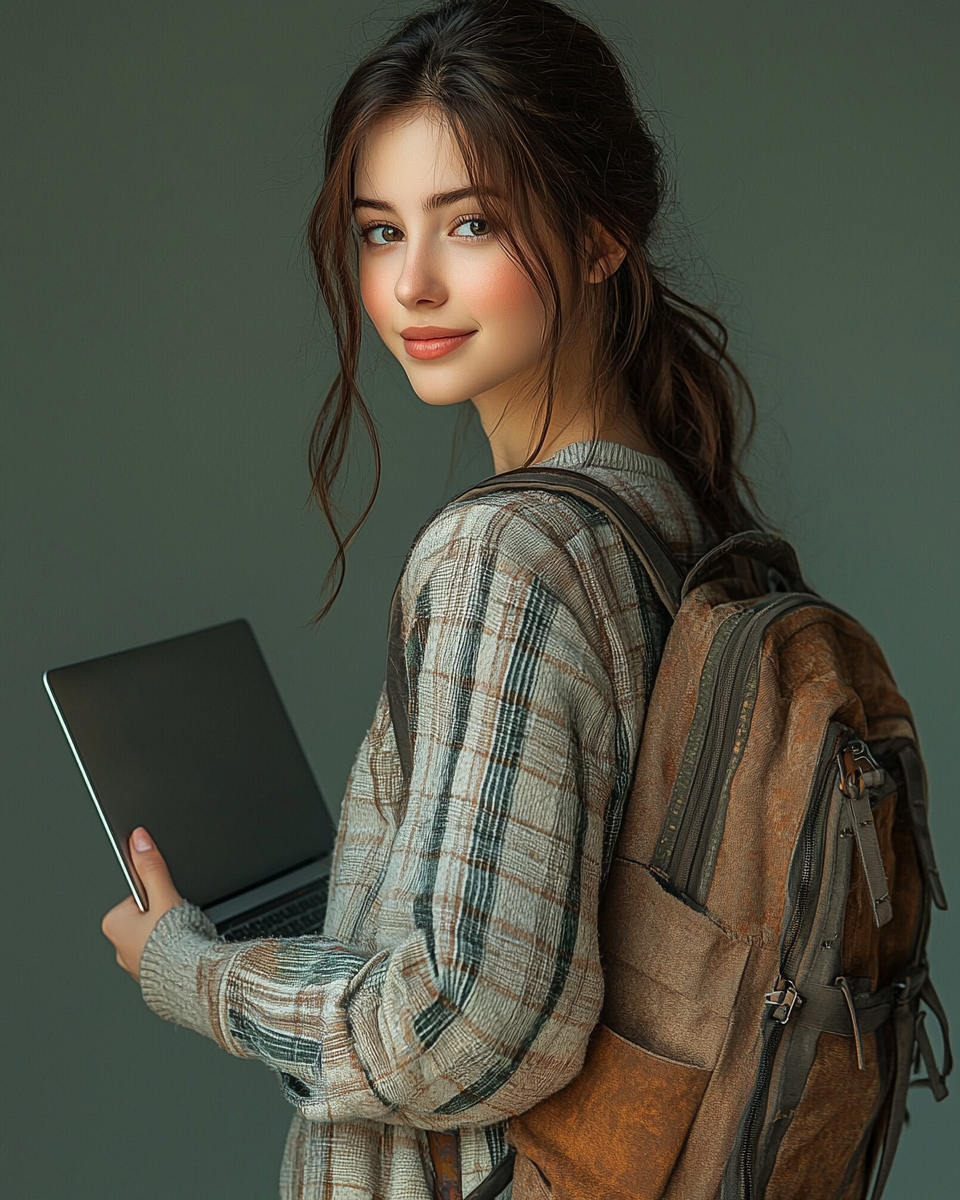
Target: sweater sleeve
point(484, 1001)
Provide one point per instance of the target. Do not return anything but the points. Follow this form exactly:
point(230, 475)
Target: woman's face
point(462, 318)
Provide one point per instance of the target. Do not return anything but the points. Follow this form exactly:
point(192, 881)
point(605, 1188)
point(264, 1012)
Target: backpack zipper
point(812, 857)
point(758, 1100)
point(784, 998)
point(721, 712)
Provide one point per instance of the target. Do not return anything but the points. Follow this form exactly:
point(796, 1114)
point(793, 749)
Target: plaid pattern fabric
point(458, 978)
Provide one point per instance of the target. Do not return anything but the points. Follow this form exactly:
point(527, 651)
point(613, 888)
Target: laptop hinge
point(253, 898)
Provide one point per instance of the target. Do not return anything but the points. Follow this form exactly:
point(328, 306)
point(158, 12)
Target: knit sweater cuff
point(170, 968)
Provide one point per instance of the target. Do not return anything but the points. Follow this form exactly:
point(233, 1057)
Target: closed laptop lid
point(189, 738)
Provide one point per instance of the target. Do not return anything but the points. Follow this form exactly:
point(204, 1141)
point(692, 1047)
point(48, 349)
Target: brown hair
point(543, 114)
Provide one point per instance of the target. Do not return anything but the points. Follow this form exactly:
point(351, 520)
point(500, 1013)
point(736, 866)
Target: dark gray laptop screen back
point(189, 738)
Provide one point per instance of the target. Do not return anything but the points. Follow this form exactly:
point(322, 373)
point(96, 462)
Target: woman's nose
point(421, 281)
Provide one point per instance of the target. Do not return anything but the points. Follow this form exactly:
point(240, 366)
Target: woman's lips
point(430, 342)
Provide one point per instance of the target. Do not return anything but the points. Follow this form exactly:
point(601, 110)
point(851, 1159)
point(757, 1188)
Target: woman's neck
point(512, 414)
point(510, 453)
point(513, 426)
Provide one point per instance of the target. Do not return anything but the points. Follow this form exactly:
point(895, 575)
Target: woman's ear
point(606, 255)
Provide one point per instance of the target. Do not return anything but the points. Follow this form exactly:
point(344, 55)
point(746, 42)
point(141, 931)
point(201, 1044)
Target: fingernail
point(141, 840)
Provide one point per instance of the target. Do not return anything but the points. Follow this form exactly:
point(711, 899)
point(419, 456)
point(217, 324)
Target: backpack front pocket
point(672, 974)
point(617, 1130)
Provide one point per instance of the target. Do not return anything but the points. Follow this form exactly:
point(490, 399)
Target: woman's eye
point(382, 235)
point(472, 227)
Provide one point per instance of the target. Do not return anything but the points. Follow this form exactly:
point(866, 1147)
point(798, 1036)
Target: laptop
point(189, 738)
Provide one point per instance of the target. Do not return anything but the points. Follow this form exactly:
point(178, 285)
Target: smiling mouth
point(430, 342)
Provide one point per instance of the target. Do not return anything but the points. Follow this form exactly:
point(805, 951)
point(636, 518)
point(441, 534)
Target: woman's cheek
point(376, 292)
point(503, 296)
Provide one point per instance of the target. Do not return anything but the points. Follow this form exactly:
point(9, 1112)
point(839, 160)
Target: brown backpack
point(764, 923)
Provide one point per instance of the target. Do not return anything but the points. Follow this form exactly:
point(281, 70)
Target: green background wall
point(162, 367)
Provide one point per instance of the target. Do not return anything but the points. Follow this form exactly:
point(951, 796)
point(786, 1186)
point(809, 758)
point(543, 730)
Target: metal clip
point(858, 769)
point(784, 999)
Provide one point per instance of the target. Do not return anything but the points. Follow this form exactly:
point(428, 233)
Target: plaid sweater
point(458, 977)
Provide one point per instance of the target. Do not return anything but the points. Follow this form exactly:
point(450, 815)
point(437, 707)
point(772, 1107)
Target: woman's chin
point(439, 397)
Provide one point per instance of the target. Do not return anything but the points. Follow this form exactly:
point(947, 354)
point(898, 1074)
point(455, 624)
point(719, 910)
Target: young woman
point(490, 194)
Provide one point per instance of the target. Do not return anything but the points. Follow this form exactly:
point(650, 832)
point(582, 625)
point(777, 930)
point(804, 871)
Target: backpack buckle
point(859, 770)
point(783, 999)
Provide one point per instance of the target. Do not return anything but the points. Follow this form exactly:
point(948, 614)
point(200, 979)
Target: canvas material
point(685, 988)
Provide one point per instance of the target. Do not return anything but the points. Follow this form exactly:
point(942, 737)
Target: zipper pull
point(860, 774)
point(784, 999)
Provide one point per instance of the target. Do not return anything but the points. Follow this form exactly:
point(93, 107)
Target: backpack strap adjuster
point(784, 999)
point(860, 774)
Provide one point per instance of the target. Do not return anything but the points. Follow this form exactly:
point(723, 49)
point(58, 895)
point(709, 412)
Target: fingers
point(117, 915)
point(125, 925)
point(150, 866)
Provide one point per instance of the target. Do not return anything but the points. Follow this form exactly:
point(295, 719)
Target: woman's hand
point(126, 926)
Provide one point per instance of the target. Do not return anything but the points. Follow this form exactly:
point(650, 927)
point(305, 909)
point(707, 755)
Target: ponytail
point(691, 399)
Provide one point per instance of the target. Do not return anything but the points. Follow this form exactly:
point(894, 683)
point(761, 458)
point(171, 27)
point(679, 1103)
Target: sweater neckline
point(608, 454)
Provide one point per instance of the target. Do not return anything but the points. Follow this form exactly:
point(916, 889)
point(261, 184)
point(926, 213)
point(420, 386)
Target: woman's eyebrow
point(437, 200)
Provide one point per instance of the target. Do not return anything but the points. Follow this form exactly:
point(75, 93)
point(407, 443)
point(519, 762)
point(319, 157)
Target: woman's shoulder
point(514, 522)
point(511, 533)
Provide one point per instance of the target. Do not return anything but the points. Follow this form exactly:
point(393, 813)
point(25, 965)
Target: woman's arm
point(484, 1001)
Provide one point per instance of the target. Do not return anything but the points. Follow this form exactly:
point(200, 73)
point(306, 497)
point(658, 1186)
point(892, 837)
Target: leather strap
point(445, 1156)
point(928, 994)
point(828, 1009)
point(909, 1030)
point(904, 1036)
point(825, 1008)
point(869, 846)
point(914, 777)
point(934, 1080)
